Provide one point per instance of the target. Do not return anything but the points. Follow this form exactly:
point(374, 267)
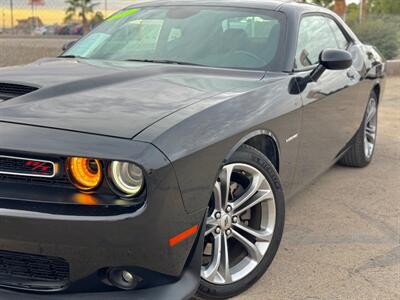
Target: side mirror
point(331, 59)
point(334, 59)
point(68, 45)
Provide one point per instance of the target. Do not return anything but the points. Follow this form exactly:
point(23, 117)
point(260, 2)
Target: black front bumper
point(135, 243)
point(182, 289)
point(136, 240)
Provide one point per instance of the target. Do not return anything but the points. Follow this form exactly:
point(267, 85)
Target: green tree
point(384, 7)
point(80, 8)
point(353, 14)
point(382, 33)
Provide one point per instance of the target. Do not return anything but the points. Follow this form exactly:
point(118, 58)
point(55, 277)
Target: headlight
point(85, 173)
point(126, 177)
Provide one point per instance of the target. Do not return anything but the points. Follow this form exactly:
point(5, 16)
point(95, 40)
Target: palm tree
point(81, 8)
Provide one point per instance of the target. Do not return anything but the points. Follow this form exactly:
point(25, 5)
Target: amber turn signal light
point(85, 173)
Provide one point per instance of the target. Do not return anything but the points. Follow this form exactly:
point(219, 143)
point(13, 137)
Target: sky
point(61, 3)
point(53, 10)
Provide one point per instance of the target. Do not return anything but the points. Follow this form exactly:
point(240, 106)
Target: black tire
point(253, 157)
point(355, 156)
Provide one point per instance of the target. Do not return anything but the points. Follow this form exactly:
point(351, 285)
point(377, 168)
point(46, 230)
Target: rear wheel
point(244, 226)
point(363, 146)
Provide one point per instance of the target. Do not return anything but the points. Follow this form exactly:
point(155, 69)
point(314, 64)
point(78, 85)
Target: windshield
point(197, 35)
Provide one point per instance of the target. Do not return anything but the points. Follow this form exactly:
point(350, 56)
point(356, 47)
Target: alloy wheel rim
point(231, 226)
point(370, 128)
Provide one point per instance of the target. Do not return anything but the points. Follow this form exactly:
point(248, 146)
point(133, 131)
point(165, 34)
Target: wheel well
point(377, 90)
point(266, 145)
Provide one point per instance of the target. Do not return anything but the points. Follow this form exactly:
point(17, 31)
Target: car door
point(328, 104)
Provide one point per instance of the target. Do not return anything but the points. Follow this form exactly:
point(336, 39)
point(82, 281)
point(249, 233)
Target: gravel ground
point(21, 51)
point(342, 237)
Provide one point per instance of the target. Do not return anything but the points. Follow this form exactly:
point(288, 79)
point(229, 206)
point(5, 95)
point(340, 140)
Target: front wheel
point(244, 226)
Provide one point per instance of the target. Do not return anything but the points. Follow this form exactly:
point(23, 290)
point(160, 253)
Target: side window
point(341, 40)
point(315, 35)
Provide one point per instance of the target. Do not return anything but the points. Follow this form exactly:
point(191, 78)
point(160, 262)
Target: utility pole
point(4, 19)
point(33, 16)
point(363, 10)
point(12, 15)
point(105, 9)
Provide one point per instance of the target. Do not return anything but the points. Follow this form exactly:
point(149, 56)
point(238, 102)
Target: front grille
point(10, 165)
point(15, 170)
point(8, 90)
point(61, 181)
point(33, 272)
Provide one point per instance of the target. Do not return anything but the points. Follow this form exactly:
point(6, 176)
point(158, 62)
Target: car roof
point(262, 4)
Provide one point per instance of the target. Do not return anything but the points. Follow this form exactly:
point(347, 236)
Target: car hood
point(109, 98)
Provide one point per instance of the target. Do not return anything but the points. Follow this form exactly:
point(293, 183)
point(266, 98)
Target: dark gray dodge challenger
point(152, 159)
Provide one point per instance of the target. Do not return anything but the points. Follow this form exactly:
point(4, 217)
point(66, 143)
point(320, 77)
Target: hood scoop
point(9, 90)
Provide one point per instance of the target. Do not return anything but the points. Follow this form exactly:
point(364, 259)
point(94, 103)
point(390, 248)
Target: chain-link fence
point(55, 17)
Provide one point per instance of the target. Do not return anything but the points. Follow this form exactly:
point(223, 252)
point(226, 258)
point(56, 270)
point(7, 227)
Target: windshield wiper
point(71, 56)
point(165, 61)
